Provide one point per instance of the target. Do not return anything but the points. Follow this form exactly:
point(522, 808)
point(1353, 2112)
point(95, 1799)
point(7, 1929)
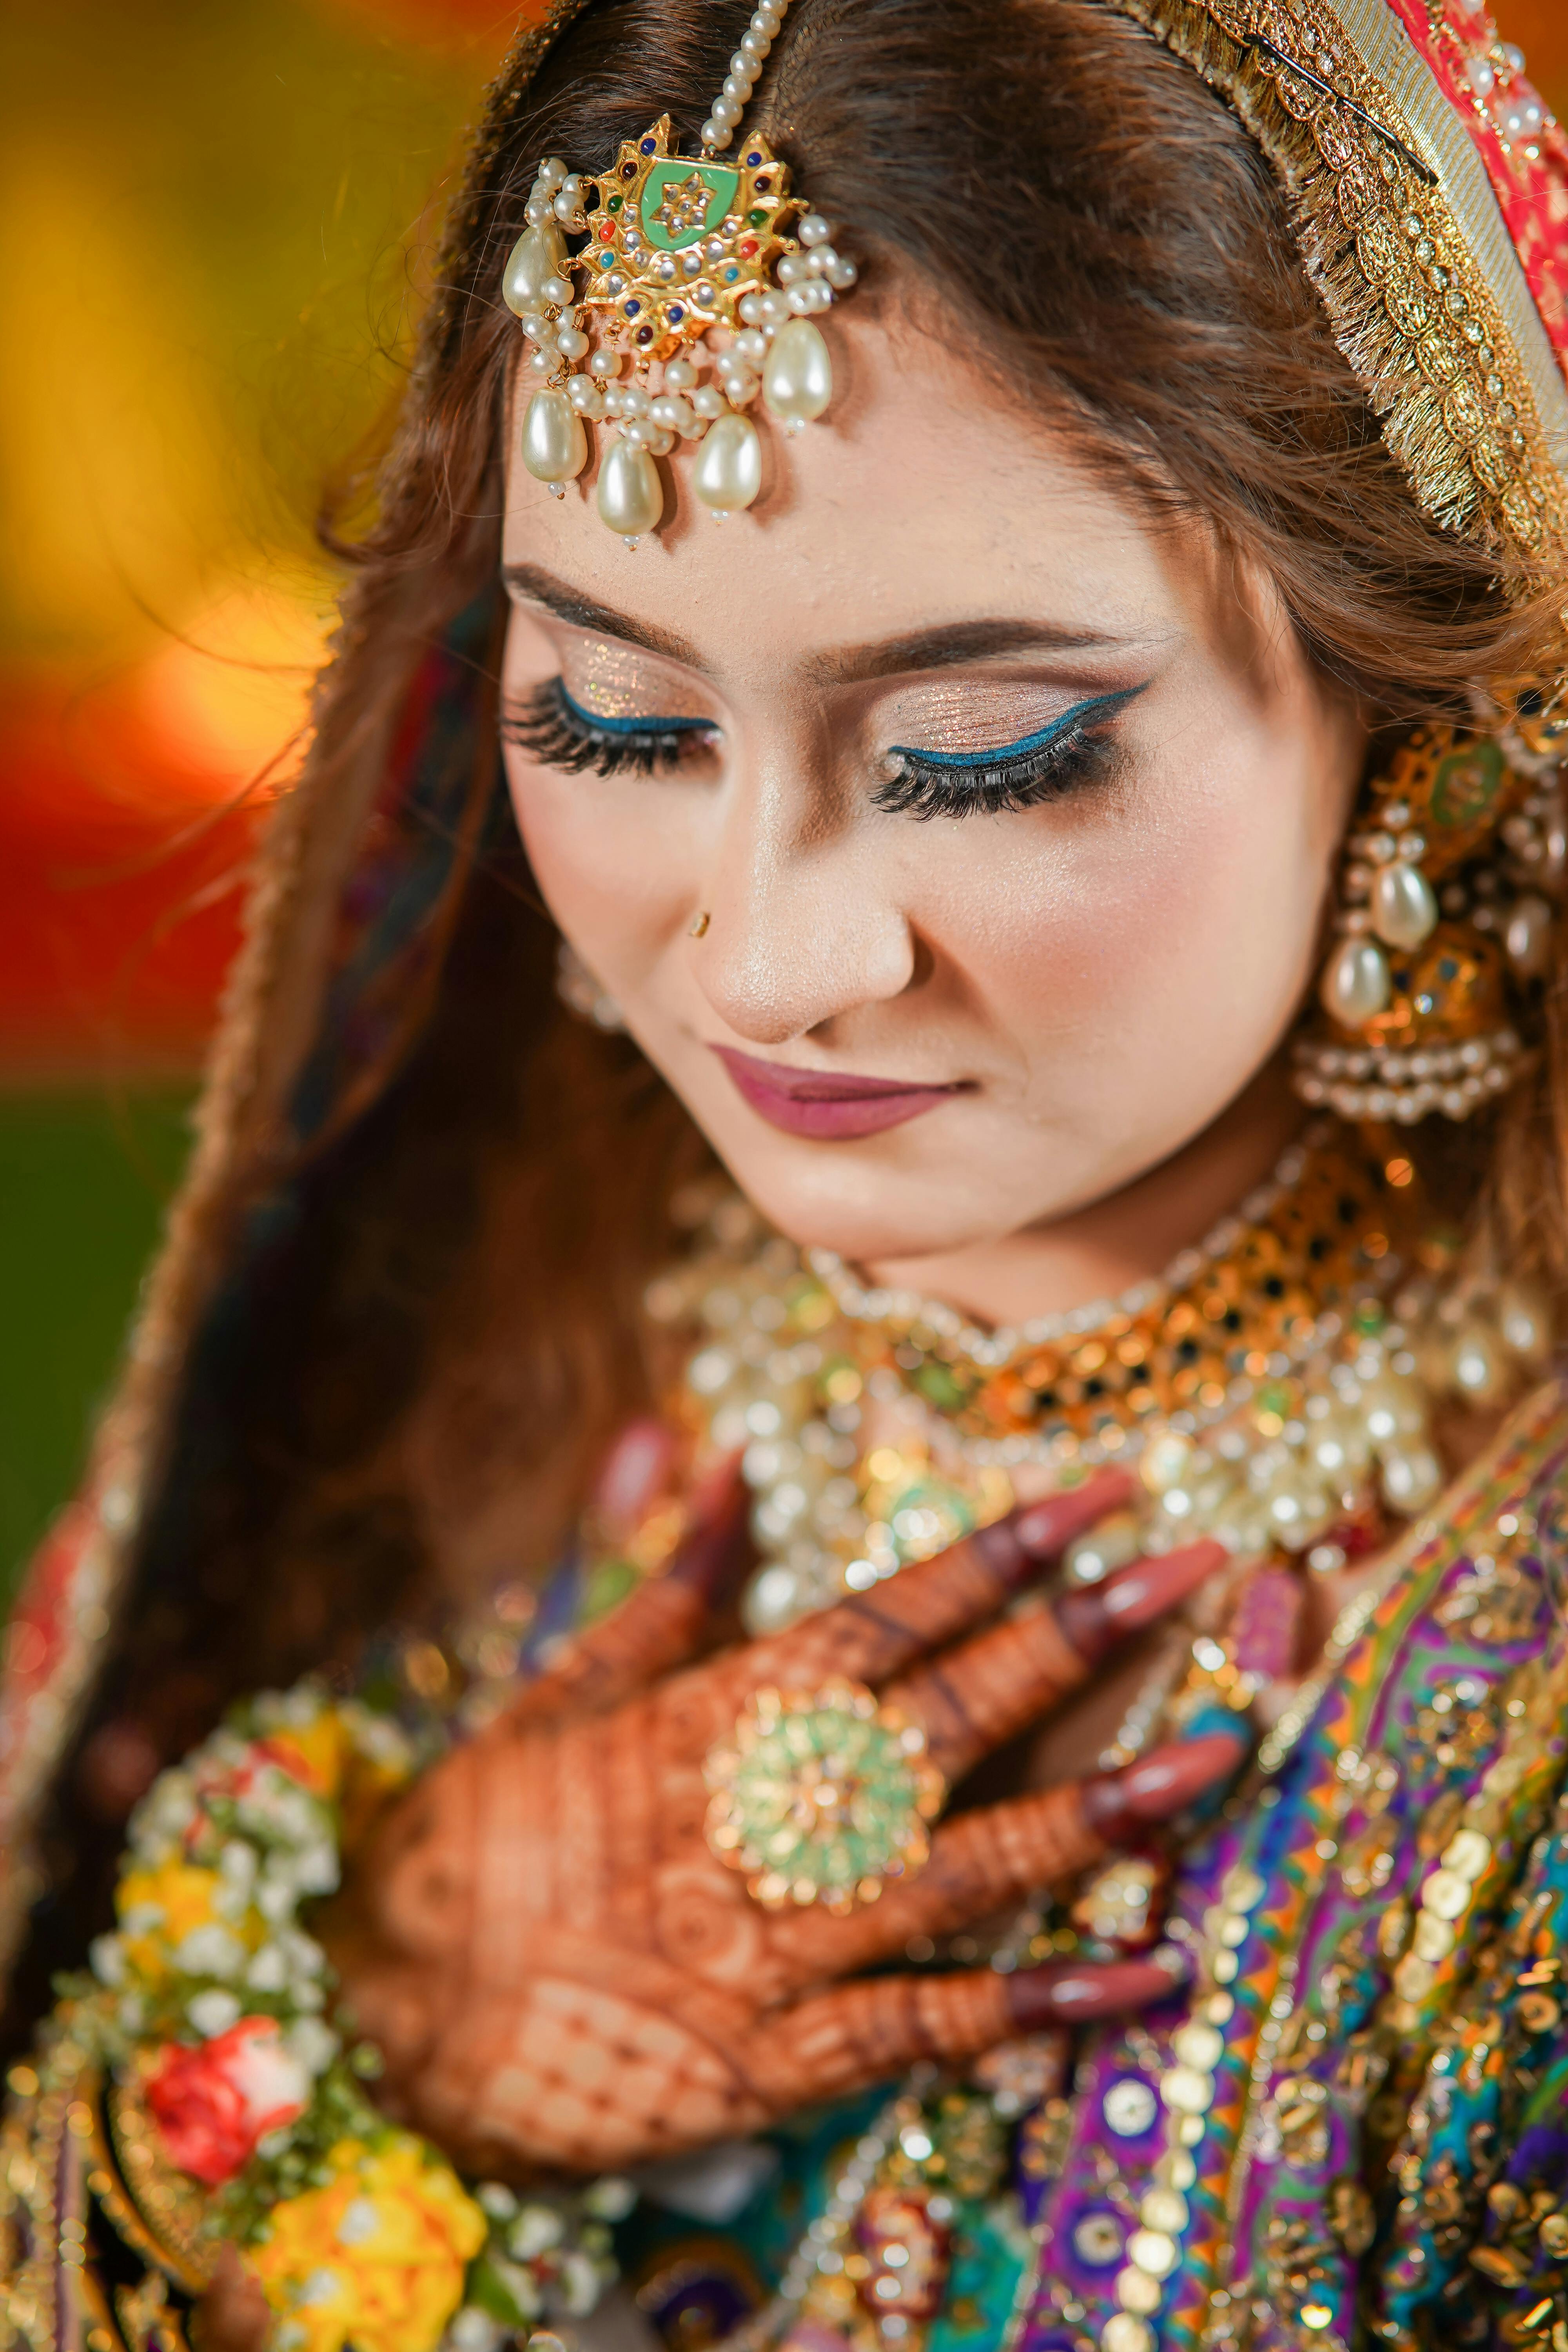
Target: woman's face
point(962, 842)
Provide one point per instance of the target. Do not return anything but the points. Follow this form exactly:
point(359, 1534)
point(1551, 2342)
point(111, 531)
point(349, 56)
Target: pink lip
point(827, 1105)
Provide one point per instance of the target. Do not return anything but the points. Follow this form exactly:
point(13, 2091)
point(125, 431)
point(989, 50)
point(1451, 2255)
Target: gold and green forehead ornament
point(675, 249)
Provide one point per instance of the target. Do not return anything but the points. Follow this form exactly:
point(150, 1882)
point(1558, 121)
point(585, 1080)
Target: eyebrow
point(942, 647)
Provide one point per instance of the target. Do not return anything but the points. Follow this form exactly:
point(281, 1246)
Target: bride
point(825, 1604)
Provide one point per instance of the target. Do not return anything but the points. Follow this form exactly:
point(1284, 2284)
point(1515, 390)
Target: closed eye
point(555, 728)
point(1075, 750)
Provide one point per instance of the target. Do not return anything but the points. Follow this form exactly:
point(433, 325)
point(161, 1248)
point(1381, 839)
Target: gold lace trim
point(1402, 235)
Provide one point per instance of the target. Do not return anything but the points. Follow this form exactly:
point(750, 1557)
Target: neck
point(1127, 1236)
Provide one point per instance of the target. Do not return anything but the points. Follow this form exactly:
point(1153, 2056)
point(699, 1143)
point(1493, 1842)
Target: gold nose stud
point(698, 925)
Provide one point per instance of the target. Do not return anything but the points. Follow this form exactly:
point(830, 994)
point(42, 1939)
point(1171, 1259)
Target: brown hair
point(422, 1362)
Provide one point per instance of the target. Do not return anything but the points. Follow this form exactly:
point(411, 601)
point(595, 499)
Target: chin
point(842, 1197)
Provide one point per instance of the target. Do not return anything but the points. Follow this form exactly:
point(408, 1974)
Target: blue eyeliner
point(1020, 750)
point(591, 719)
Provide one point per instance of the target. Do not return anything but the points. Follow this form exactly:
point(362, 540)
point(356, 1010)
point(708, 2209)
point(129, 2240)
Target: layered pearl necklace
point(1274, 1390)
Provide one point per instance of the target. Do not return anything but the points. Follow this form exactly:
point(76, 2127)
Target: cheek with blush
point(616, 878)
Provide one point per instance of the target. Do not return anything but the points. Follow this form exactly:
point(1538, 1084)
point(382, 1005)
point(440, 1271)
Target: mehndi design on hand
point(561, 1973)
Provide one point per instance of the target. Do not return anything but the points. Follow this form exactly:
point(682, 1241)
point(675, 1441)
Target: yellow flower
point(183, 1893)
point(377, 2258)
point(313, 1754)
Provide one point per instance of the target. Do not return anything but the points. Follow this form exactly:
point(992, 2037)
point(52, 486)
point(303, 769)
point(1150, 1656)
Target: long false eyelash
point(1079, 755)
point(562, 734)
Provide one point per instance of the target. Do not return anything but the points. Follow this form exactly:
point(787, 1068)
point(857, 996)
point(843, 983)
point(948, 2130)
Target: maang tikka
point(1448, 909)
point(675, 247)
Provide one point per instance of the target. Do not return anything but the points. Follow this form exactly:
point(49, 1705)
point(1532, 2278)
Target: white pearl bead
point(556, 290)
point(717, 136)
point(1403, 910)
point(541, 362)
point(1481, 75)
point(751, 310)
point(586, 396)
point(1355, 985)
point(729, 469)
point(554, 447)
point(751, 346)
point(791, 268)
point(741, 386)
point(639, 432)
point(630, 497)
point(673, 414)
point(798, 382)
point(726, 112)
point(633, 401)
point(1411, 1479)
point(536, 211)
point(775, 309)
point(755, 45)
point(531, 265)
point(841, 272)
point(604, 363)
point(708, 401)
point(814, 230)
point(679, 375)
point(660, 444)
point(613, 395)
point(553, 170)
point(1528, 937)
point(737, 89)
point(571, 343)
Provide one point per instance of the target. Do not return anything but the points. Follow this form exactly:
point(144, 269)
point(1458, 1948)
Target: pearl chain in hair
point(745, 70)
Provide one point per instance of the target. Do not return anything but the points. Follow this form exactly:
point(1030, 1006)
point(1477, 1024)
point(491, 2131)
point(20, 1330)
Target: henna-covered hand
point(558, 1972)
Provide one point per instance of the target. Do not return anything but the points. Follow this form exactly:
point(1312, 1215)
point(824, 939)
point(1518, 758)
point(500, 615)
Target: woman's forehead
point(923, 503)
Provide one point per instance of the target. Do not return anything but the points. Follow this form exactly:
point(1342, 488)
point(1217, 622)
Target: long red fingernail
point(1016, 1546)
point(1042, 1528)
point(1096, 1615)
point(1073, 1990)
point(1118, 1804)
point(711, 1549)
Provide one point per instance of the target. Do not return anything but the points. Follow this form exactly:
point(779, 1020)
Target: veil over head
point(1429, 195)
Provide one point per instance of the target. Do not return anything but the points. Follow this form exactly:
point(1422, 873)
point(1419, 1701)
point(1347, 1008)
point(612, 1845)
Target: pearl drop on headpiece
point(675, 249)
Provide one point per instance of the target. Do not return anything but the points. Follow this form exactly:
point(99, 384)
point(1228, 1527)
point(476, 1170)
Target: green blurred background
point(216, 223)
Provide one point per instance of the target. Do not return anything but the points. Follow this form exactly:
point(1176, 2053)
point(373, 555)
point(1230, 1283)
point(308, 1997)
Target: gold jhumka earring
point(675, 249)
point(1448, 896)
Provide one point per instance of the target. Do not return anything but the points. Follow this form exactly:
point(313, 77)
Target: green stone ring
point(821, 1796)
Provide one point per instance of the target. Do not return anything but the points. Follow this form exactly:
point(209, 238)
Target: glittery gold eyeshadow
point(1076, 749)
point(555, 728)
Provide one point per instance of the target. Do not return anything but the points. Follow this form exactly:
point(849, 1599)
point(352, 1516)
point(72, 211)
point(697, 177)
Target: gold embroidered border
point(1401, 236)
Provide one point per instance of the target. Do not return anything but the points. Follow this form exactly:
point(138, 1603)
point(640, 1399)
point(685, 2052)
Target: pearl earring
point(676, 246)
point(581, 993)
point(1447, 915)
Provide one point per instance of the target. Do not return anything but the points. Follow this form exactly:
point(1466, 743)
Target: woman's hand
point(560, 1973)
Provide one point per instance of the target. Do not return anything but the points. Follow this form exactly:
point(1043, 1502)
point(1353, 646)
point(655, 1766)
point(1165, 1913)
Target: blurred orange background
point(217, 221)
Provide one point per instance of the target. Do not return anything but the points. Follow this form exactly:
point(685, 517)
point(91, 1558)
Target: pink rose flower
point(214, 2103)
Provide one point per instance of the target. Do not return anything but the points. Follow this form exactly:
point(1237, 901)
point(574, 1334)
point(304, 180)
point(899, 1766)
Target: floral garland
point(210, 2014)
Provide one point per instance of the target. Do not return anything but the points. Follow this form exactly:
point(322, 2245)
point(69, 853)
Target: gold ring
point(822, 1796)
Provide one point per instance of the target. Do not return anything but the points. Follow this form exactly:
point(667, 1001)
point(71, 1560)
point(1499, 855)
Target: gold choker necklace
point(1275, 1390)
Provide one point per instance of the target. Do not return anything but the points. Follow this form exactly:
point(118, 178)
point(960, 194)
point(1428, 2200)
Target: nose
point(803, 925)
